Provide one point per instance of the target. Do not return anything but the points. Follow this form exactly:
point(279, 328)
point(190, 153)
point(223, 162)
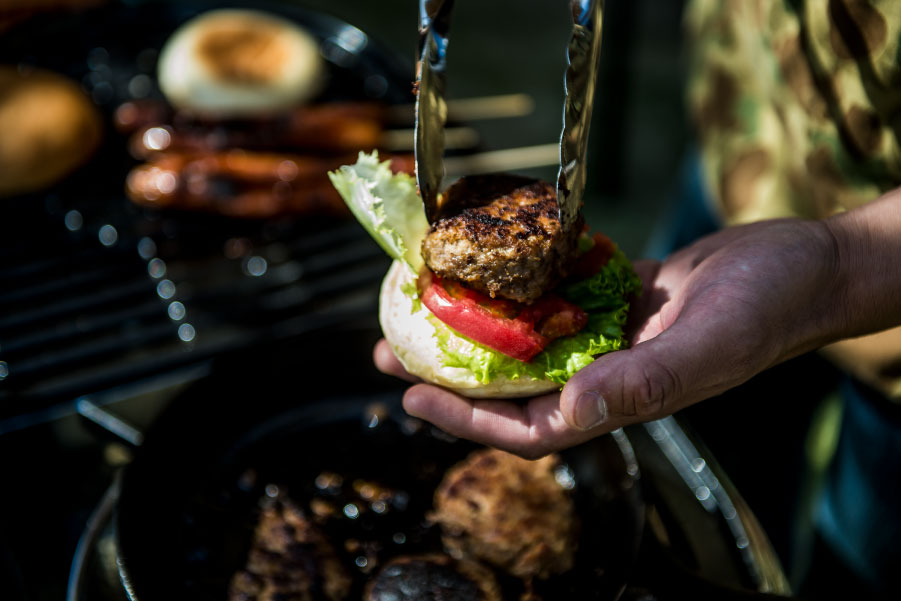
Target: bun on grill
point(239, 62)
point(48, 128)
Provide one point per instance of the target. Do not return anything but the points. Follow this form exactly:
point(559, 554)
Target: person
point(795, 107)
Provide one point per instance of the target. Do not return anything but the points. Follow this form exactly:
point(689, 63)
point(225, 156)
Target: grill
point(89, 303)
point(96, 292)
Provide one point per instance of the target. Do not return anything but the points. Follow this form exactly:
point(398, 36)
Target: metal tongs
point(583, 55)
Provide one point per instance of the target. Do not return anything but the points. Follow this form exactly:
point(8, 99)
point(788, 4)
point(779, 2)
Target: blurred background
point(639, 140)
point(638, 133)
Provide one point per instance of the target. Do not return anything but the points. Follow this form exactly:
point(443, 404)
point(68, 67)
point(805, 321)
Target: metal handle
point(431, 108)
point(109, 421)
point(583, 57)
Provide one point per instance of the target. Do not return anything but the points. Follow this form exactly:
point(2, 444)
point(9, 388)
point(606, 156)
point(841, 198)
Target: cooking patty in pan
point(433, 577)
point(507, 511)
point(289, 560)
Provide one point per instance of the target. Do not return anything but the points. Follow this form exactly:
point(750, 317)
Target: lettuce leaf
point(386, 204)
point(604, 296)
point(607, 289)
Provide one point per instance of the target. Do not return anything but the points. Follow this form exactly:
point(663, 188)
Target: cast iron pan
point(191, 497)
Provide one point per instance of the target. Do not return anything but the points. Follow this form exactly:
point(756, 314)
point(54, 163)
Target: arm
point(868, 245)
point(712, 316)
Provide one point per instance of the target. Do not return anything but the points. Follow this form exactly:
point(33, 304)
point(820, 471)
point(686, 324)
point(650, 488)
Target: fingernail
point(591, 410)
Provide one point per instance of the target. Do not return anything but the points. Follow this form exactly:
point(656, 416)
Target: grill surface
point(96, 292)
point(87, 307)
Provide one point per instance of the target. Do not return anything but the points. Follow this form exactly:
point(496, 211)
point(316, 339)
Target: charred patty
point(289, 560)
point(509, 512)
point(501, 235)
point(433, 577)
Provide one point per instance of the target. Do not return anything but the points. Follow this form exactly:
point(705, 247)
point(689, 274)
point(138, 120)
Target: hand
point(711, 316)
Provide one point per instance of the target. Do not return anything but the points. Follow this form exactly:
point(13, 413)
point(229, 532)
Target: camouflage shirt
point(797, 105)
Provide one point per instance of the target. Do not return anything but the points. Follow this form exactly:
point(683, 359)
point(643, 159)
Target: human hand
point(712, 315)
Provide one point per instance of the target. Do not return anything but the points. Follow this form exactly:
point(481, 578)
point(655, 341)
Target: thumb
point(650, 380)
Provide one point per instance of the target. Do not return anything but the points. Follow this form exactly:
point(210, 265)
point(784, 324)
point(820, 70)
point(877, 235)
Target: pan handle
point(155, 391)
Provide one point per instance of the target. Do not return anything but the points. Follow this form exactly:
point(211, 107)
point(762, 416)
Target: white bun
point(412, 339)
point(239, 62)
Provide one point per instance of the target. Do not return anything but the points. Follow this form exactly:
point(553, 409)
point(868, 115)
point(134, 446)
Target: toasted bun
point(412, 339)
point(239, 62)
point(49, 128)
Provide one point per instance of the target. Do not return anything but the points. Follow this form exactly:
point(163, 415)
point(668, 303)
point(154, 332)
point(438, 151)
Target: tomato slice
point(516, 330)
point(554, 317)
point(591, 261)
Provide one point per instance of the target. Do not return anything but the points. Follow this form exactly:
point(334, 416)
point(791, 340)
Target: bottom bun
point(412, 338)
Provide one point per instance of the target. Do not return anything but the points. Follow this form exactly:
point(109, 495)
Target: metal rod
point(109, 422)
point(510, 159)
point(503, 106)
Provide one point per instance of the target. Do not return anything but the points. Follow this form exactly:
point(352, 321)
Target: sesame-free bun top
point(237, 63)
point(48, 128)
point(411, 336)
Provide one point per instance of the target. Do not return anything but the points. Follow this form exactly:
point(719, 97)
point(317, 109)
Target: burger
point(494, 299)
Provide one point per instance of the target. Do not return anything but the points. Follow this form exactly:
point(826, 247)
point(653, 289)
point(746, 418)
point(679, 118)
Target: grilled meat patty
point(501, 235)
point(289, 560)
point(433, 577)
point(509, 512)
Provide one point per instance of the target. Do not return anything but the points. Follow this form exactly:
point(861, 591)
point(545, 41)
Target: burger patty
point(433, 577)
point(501, 235)
point(509, 512)
point(289, 560)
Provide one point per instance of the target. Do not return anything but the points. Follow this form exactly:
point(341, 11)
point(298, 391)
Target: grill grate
point(96, 293)
point(86, 304)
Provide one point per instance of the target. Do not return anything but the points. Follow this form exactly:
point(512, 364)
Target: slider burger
point(494, 299)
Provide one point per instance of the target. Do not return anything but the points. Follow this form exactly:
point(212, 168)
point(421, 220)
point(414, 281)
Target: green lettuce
point(386, 204)
point(389, 208)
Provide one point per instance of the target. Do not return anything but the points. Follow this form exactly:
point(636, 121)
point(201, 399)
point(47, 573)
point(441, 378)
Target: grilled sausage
point(330, 128)
point(242, 184)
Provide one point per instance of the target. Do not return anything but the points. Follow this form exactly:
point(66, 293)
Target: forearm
point(868, 270)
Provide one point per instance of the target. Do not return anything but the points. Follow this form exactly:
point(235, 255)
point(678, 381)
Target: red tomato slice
point(554, 317)
point(517, 331)
point(595, 257)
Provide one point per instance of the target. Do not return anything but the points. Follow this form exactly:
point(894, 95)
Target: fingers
point(387, 362)
point(704, 352)
point(627, 384)
point(530, 429)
